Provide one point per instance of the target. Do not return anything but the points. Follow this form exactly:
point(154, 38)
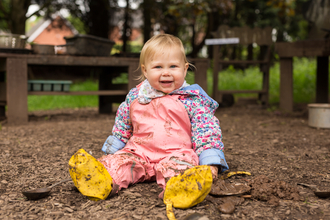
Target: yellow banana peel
point(234, 173)
point(169, 210)
point(90, 176)
point(188, 189)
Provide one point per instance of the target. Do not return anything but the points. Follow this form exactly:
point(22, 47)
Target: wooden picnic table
point(307, 48)
point(14, 86)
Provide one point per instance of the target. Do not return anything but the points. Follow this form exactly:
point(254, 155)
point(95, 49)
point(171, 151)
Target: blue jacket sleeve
point(112, 145)
point(213, 157)
point(202, 92)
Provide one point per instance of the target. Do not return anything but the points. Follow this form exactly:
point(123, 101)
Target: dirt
point(226, 188)
point(272, 191)
point(278, 149)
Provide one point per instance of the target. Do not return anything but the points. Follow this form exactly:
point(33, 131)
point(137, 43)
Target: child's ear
point(144, 71)
point(186, 69)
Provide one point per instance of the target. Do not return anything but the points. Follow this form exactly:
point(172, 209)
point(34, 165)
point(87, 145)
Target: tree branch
point(197, 48)
point(48, 3)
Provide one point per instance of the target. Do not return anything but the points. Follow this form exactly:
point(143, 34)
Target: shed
point(51, 31)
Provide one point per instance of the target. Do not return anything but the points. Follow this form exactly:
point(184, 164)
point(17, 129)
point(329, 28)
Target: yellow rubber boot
point(190, 188)
point(90, 176)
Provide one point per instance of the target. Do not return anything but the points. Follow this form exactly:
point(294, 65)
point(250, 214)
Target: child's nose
point(166, 72)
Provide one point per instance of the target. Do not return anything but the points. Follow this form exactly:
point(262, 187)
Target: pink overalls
point(160, 146)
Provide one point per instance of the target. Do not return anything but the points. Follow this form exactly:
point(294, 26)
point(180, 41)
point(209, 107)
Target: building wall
point(54, 33)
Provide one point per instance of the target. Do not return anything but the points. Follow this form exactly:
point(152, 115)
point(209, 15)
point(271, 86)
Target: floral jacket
point(206, 135)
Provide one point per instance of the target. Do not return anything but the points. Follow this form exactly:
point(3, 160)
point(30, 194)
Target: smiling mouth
point(166, 82)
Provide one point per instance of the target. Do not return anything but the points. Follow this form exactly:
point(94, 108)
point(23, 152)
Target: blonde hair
point(158, 44)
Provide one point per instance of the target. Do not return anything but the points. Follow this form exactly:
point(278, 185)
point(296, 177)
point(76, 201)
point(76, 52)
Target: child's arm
point(122, 129)
point(207, 138)
point(214, 170)
point(206, 132)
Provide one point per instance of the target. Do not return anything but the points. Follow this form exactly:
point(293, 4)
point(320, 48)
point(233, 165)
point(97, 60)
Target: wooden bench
point(2, 100)
point(2, 91)
point(256, 43)
point(15, 69)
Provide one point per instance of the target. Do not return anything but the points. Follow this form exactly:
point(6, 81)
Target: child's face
point(166, 71)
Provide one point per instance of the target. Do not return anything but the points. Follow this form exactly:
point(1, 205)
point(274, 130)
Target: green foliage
point(77, 24)
point(133, 47)
point(284, 16)
point(30, 23)
point(4, 10)
point(302, 31)
point(121, 79)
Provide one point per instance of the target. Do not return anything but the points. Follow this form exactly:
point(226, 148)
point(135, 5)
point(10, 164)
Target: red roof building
point(51, 31)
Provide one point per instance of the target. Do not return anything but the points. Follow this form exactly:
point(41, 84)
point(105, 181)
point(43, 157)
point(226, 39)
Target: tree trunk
point(147, 20)
point(214, 24)
point(99, 18)
point(17, 16)
point(126, 27)
point(193, 37)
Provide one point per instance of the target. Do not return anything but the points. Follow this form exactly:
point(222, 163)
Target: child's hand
point(101, 158)
point(214, 170)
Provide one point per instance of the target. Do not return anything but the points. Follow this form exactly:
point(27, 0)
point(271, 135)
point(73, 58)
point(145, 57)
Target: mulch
point(278, 149)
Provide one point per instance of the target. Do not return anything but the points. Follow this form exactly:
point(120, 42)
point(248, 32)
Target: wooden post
point(2, 64)
point(265, 83)
point(215, 71)
point(133, 74)
point(2, 88)
point(322, 80)
point(2, 95)
point(3, 92)
point(105, 83)
point(201, 73)
point(17, 91)
point(286, 84)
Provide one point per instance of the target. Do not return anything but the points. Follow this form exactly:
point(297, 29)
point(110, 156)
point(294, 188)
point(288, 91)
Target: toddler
point(165, 125)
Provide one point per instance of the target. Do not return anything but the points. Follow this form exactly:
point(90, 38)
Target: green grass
point(230, 79)
point(48, 102)
point(43, 102)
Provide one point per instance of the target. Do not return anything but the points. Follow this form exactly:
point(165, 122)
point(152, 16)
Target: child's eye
point(157, 67)
point(173, 66)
